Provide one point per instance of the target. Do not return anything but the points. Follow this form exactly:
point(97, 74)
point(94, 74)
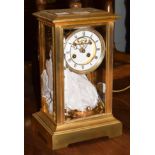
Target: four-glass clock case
point(76, 69)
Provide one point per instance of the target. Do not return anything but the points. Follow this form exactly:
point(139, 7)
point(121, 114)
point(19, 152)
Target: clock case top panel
point(68, 16)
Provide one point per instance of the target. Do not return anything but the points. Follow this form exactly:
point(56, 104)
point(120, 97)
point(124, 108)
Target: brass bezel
point(103, 50)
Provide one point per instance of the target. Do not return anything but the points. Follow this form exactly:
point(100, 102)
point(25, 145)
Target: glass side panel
point(84, 63)
point(47, 73)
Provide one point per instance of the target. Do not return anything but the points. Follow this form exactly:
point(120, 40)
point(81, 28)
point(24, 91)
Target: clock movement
point(76, 76)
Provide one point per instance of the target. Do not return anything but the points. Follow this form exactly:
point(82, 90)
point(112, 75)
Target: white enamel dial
point(84, 50)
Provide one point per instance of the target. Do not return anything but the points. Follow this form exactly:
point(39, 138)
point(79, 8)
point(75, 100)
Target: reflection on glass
point(47, 74)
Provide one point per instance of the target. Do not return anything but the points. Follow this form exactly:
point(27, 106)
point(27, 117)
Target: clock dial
point(84, 50)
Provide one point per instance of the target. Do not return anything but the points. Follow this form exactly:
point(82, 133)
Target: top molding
point(67, 16)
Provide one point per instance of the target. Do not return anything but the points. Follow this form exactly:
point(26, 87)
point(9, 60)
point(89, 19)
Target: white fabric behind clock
point(45, 91)
point(79, 92)
point(47, 83)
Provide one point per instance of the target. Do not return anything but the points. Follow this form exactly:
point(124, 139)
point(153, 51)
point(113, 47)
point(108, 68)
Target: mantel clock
point(76, 69)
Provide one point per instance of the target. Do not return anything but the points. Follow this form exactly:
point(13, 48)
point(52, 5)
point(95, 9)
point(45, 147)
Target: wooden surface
point(115, 146)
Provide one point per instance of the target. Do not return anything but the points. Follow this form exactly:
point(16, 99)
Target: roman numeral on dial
point(96, 57)
point(83, 33)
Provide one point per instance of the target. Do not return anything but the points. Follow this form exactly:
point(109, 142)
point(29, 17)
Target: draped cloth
point(79, 92)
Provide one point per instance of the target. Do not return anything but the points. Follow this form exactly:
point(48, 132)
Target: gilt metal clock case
point(76, 76)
